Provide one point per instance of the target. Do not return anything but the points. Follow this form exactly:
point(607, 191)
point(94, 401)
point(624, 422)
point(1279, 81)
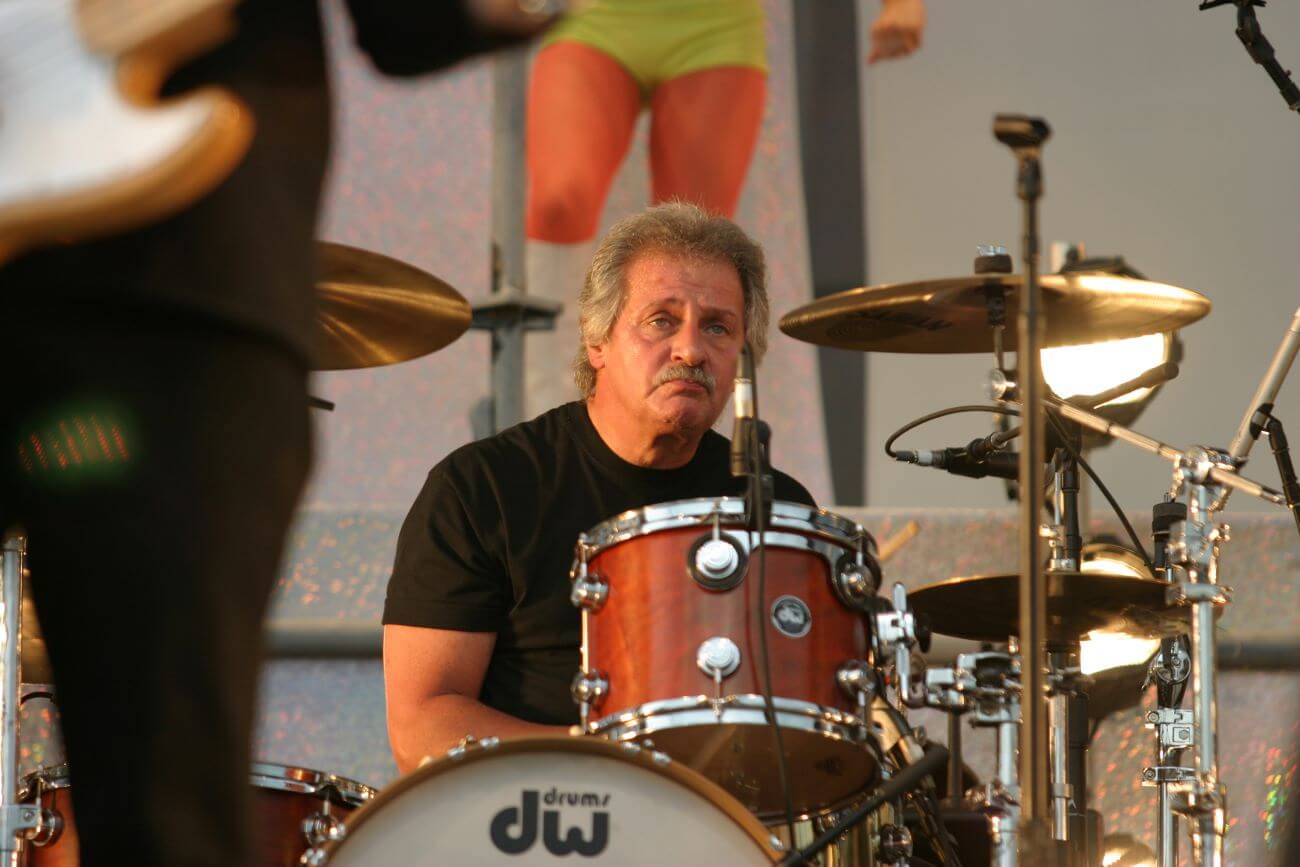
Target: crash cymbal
point(987, 607)
point(374, 310)
point(951, 314)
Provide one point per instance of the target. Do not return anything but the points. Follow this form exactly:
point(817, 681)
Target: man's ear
point(596, 356)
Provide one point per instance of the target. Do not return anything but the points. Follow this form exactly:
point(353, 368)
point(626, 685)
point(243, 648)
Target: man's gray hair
point(678, 229)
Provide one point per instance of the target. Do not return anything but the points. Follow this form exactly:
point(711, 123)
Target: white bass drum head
point(549, 801)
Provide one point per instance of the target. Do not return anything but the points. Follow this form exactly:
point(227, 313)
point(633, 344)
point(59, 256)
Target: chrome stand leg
point(1058, 741)
point(1196, 553)
point(1173, 727)
point(19, 822)
point(11, 595)
point(1207, 802)
point(1005, 819)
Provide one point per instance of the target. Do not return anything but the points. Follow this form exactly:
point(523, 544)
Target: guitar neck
point(120, 27)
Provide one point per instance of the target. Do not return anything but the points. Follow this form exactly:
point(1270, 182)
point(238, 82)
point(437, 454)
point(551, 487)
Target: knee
point(564, 210)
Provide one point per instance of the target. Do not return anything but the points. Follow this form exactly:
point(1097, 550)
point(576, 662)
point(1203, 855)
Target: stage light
point(1122, 850)
point(1100, 650)
point(1113, 559)
point(1072, 371)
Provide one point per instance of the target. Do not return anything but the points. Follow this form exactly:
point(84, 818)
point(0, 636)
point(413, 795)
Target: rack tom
point(671, 646)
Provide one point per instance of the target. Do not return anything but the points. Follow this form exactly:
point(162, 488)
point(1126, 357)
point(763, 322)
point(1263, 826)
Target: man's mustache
point(687, 373)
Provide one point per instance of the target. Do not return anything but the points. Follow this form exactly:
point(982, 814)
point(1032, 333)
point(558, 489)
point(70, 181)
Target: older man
point(480, 636)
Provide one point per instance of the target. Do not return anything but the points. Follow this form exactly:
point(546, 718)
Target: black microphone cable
point(758, 502)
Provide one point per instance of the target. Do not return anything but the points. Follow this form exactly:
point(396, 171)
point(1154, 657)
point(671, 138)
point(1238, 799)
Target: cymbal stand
point(1067, 711)
point(1174, 733)
point(1202, 475)
point(1169, 671)
point(987, 686)
point(1194, 553)
point(19, 822)
point(1064, 678)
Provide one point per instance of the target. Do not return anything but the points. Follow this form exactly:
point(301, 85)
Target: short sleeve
point(412, 37)
point(789, 489)
point(448, 573)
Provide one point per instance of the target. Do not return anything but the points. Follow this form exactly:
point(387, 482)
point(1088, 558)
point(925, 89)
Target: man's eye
point(661, 322)
point(718, 328)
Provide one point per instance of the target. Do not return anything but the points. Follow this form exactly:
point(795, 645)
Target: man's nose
point(688, 346)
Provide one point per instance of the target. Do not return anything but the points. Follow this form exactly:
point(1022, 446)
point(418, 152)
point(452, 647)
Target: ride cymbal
point(987, 607)
point(374, 310)
point(951, 315)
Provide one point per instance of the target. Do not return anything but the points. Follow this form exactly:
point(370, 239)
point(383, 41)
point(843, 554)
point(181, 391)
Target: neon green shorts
point(658, 40)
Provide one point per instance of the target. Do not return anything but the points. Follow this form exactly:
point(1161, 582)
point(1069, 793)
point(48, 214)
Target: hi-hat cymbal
point(374, 310)
point(951, 314)
point(987, 607)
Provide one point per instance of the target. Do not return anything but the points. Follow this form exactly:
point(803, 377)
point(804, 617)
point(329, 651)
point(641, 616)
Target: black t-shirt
point(488, 545)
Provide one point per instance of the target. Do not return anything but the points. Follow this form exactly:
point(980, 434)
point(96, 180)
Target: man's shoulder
point(529, 444)
point(787, 487)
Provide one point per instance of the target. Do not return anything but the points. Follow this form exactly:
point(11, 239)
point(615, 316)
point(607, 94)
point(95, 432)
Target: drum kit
point(746, 675)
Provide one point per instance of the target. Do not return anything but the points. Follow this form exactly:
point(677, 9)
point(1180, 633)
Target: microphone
point(742, 459)
point(981, 449)
point(960, 462)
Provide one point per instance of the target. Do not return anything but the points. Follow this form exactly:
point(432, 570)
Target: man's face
point(670, 361)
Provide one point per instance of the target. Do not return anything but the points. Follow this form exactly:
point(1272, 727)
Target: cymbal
point(374, 310)
point(950, 315)
point(987, 607)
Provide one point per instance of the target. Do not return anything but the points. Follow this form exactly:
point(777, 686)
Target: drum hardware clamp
point(896, 633)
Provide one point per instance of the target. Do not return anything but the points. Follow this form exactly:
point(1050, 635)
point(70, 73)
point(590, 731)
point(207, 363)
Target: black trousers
point(154, 464)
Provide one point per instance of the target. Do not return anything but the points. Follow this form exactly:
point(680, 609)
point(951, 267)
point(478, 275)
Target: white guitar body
point(84, 149)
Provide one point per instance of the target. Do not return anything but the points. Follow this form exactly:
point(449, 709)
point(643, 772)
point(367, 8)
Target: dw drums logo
point(514, 830)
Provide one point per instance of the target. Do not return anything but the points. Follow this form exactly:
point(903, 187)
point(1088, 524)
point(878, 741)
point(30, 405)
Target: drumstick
point(894, 543)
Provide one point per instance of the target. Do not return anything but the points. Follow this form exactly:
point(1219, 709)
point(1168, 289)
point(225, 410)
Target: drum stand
point(1194, 553)
point(1204, 476)
point(19, 822)
point(987, 686)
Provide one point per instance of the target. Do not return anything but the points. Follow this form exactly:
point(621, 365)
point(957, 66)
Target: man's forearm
point(439, 723)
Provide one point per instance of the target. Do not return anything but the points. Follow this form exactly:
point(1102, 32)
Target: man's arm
point(432, 679)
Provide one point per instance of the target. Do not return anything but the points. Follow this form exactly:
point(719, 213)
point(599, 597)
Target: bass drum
point(544, 800)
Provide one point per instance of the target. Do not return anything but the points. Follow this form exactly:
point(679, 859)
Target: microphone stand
point(1025, 136)
point(749, 456)
point(1262, 401)
point(1259, 48)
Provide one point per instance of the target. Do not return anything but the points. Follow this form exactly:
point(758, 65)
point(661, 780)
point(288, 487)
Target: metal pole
point(956, 781)
point(1004, 824)
point(11, 597)
point(510, 84)
point(1033, 602)
point(1197, 545)
point(509, 174)
point(1058, 733)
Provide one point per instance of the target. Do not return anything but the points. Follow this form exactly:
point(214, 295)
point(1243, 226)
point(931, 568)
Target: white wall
point(1170, 146)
